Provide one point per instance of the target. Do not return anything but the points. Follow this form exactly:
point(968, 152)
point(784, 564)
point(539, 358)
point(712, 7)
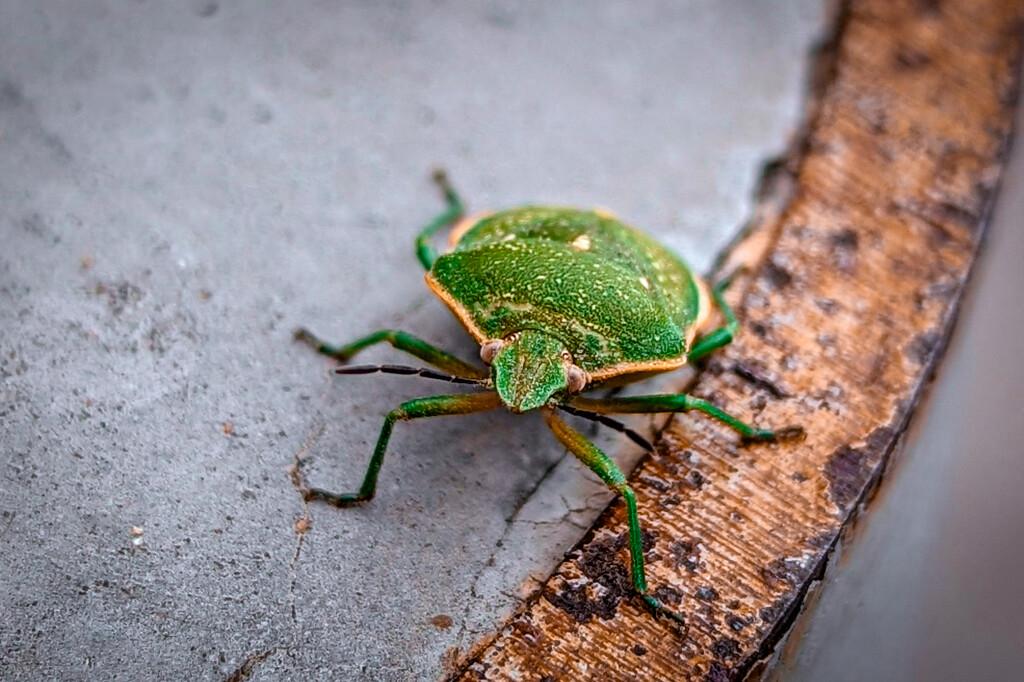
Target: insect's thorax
point(618, 299)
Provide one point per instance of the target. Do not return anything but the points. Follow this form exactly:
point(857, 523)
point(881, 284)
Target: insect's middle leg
point(679, 402)
point(413, 345)
point(436, 406)
point(722, 336)
point(609, 472)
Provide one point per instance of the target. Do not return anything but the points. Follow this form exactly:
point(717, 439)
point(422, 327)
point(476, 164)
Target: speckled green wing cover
point(614, 296)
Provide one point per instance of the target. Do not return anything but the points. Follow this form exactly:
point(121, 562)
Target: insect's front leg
point(609, 472)
point(436, 406)
point(680, 402)
point(403, 341)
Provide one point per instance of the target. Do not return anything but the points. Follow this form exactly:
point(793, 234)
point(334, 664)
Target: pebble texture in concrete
point(181, 184)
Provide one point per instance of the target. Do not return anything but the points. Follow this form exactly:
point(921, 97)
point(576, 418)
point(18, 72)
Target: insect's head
point(530, 367)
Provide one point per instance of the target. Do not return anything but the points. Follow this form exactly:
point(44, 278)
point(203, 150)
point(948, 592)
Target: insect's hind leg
point(435, 406)
point(722, 336)
point(403, 341)
point(425, 251)
point(609, 472)
point(680, 402)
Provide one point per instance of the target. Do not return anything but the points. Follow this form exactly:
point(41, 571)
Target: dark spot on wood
point(686, 554)
point(934, 216)
point(736, 623)
point(639, 649)
point(798, 477)
point(923, 346)
point(929, 8)
point(783, 571)
point(834, 392)
point(943, 290)
point(571, 599)
point(760, 329)
point(910, 59)
point(668, 502)
point(706, 593)
point(717, 673)
point(715, 398)
point(844, 249)
point(770, 614)
point(600, 563)
point(826, 305)
point(656, 483)
point(697, 479)
point(963, 215)
point(752, 371)
point(879, 440)
point(714, 367)
point(668, 594)
point(1009, 93)
point(846, 474)
point(726, 649)
point(823, 541)
point(733, 604)
point(776, 275)
point(525, 627)
point(648, 538)
point(479, 668)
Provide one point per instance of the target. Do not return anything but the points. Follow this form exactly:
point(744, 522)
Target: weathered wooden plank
point(855, 288)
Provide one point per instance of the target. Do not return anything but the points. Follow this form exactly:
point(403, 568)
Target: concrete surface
point(931, 587)
point(181, 184)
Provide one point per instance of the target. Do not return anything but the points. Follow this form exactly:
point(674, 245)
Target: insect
point(561, 301)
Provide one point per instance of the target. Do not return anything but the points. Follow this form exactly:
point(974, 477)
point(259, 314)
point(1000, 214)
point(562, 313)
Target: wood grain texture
point(856, 281)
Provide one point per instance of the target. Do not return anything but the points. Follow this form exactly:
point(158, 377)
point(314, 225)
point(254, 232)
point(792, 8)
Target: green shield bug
point(561, 301)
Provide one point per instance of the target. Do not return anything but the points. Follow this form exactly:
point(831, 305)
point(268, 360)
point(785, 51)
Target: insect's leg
point(403, 341)
point(609, 472)
point(425, 251)
point(723, 335)
point(436, 406)
point(680, 402)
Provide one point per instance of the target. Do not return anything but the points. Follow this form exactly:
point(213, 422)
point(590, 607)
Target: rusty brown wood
point(855, 286)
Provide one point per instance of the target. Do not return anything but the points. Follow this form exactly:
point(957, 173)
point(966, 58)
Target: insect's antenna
point(612, 423)
point(405, 370)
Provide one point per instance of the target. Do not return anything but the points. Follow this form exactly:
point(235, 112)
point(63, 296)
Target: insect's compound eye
point(577, 379)
point(490, 349)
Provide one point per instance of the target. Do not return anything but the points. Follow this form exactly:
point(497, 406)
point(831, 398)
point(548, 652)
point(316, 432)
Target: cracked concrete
point(184, 183)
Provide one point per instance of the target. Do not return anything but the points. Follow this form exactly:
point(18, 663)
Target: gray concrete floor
point(181, 184)
point(931, 588)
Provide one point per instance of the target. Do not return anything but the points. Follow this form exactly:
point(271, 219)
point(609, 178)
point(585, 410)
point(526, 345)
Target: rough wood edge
point(966, 225)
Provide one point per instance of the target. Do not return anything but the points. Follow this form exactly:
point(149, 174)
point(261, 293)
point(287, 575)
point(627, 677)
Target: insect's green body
point(561, 301)
point(618, 299)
